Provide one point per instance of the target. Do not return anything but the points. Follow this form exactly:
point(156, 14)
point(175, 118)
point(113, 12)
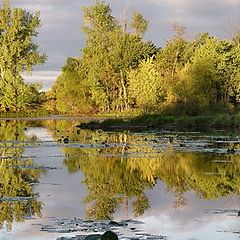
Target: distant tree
point(139, 23)
point(108, 55)
point(176, 52)
point(70, 90)
point(18, 53)
point(144, 86)
point(179, 30)
point(234, 30)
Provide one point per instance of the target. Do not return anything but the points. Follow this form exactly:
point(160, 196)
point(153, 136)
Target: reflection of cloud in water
point(39, 132)
point(67, 200)
point(190, 221)
point(61, 200)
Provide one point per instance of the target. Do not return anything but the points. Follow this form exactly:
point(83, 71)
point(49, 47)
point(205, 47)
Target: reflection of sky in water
point(63, 195)
point(190, 222)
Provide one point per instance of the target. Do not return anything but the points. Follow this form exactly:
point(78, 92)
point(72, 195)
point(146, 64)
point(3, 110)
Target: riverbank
point(138, 122)
point(159, 121)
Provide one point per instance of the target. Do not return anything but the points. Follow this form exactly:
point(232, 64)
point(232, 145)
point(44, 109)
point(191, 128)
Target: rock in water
point(109, 235)
point(66, 140)
point(93, 237)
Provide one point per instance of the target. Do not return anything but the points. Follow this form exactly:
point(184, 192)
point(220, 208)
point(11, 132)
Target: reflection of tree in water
point(110, 182)
point(210, 176)
point(17, 197)
point(114, 173)
point(109, 179)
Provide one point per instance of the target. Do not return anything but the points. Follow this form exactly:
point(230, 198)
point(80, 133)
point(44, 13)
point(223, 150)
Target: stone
point(93, 237)
point(109, 235)
point(66, 140)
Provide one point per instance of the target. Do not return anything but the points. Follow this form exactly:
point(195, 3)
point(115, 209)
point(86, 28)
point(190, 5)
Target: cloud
point(46, 78)
point(60, 35)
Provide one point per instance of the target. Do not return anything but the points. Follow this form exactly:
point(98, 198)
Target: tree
point(108, 55)
point(234, 30)
point(176, 52)
point(100, 79)
point(139, 23)
point(144, 86)
point(214, 70)
point(70, 90)
point(170, 61)
point(18, 53)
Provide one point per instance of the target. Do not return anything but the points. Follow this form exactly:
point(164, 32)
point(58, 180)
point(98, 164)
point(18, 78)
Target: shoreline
point(160, 121)
point(142, 122)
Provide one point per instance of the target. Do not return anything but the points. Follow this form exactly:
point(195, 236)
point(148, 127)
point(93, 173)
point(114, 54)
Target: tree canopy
point(18, 53)
point(120, 71)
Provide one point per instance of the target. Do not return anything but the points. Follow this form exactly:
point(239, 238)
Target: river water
point(156, 184)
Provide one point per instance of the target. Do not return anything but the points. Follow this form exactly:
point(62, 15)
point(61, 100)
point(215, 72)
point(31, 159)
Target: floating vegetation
point(66, 225)
point(228, 212)
point(32, 167)
point(14, 199)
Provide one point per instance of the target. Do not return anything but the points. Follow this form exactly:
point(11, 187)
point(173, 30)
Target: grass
point(157, 121)
point(29, 113)
point(134, 120)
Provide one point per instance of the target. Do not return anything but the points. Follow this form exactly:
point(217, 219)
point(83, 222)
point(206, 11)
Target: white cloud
point(46, 78)
point(60, 35)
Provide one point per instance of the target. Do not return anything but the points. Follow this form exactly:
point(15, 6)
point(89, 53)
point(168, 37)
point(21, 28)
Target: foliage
point(145, 90)
point(120, 72)
point(70, 91)
point(109, 54)
point(139, 24)
point(16, 182)
point(18, 53)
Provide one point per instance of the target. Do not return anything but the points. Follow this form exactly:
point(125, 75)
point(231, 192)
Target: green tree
point(109, 53)
point(145, 90)
point(99, 80)
point(139, 23)
point(70, 90)
point(175, 54)
point(170, 61)
point(213, 74)
point(18, 53)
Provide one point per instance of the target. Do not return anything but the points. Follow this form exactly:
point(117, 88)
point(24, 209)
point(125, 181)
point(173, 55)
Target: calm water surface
point(178, 184)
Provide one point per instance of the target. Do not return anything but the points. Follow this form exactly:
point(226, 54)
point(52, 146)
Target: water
point(155, 184)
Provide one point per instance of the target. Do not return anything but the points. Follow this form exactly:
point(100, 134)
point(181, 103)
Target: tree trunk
point(124, 90)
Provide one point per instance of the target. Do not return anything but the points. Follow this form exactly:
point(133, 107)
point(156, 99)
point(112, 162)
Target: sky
point(60, 35)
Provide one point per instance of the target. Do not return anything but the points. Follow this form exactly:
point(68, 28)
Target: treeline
point(119, 71)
